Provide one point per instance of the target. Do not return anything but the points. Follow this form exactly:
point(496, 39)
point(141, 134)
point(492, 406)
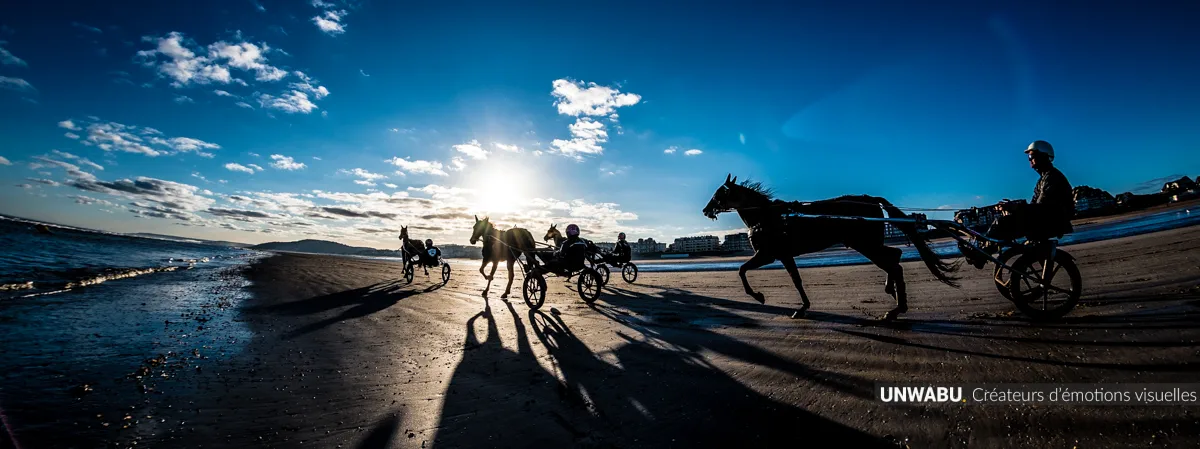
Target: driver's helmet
point(572, 230)
point(621, 236)
point(428, 242)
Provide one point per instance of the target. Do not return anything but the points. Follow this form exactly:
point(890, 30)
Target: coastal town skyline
point(342, 121)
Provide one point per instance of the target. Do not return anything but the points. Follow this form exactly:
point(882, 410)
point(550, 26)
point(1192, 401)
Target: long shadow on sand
point(361, 302)
point(653, 391)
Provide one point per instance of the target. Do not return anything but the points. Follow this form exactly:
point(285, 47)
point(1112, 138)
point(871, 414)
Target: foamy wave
point(108, 275)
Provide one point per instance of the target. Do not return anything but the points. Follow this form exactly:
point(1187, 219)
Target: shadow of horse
point(361, 302)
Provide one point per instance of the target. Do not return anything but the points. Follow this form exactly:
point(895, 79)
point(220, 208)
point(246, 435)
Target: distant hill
point(325, 247)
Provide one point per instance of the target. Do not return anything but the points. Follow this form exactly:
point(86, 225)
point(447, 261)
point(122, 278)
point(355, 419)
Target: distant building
point(461, 251)
point(648, 245)
point(1131, 201)
point(979, 218)
point(696, 244)
point(1180, 185)
point(737, 242)
point(890, 231)
point(606, 246)
point(1092, 201)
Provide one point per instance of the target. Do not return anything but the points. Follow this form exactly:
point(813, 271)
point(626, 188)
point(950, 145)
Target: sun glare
point(498, 191)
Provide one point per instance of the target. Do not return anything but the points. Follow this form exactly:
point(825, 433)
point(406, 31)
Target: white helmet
point(1041, 146)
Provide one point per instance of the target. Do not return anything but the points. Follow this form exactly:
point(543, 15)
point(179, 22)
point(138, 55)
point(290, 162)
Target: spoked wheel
point(445, 273)
point(1001, 275)
point(629, 273)
point(409, 271)
point(1045, 294)
point(534, 290)
point(589, 285)
point(603, 271)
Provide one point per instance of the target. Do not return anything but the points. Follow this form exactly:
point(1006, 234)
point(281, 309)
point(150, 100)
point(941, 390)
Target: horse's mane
point(759, 188)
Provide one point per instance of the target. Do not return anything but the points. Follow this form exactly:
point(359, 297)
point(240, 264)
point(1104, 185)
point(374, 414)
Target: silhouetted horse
point(410, 247)
point(776, 237)
point(502, 246)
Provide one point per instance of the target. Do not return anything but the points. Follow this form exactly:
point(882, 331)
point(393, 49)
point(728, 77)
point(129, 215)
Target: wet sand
point(344, 356)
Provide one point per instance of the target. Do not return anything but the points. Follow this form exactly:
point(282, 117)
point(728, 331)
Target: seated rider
point(621, 253)
point(432, 255)
point(1048, 215)
point(569, 256)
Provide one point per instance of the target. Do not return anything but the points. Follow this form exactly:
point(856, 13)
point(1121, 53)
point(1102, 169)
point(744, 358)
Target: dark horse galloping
point(502, 245)
point(776, 237)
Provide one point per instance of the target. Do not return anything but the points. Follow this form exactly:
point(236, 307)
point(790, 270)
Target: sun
point(498, 191)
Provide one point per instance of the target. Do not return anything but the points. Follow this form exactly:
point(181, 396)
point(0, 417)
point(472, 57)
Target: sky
point(256, 121)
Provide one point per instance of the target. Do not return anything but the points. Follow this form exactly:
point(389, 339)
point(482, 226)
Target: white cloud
point(390, 185)
point(221, 93)
point(364, 182)
point(73, 171)
point(82, 161)
point(418, 166)
point(184, 99)
point(286, 162)
point(110, 136)
point(671, 150)
point(8, 58)
point(458, 164)
point(49, 182)
point(364, 174)
point(71, 136)
point(291, 102)
point(233, 166)
point(243, 104)
point(67, 124)
point(16, 84)
point(181, 64)
point(511, 148)
point(580, 98)
point(583, 101)
point(692, 152)
point(4, 161)
point(246, 56)
point(742, 138)
point(363, 73)
point(331, 22)
point(472, 149)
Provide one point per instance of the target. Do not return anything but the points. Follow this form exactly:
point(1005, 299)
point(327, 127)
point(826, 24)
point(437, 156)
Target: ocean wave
point(90, 279)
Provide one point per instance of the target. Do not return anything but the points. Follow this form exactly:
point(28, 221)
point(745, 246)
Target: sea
point(87, 318)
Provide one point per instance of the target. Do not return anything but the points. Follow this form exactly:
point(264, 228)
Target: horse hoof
point(504, 296)
point(759, 297)
point(889, 290)
point(893, 314)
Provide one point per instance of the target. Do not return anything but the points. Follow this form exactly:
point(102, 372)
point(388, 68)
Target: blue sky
point(264, 120)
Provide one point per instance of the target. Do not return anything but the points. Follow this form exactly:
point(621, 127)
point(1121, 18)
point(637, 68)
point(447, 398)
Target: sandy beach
point(343, 355)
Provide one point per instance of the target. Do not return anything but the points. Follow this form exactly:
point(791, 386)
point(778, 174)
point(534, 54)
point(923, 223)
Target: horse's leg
point(508, 288)
point(485, 276)
point(888, 259)
point(790, 264)
point(760, 258)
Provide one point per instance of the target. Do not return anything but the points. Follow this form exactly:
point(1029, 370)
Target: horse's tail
point(940, 269)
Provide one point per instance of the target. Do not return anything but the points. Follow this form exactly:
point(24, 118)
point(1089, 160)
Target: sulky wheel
point(603, 271)
point(1045, 298)
point(629, 273)
point(1000, 275)
point(589, 285)
point(408, 273)
point(534, 290)
point(445, 273)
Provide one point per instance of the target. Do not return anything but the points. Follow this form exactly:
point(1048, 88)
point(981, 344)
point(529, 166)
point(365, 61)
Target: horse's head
point(552, 234)
point(404, 233)
point(733, 196)
point(481, 228)
point(723, 199)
